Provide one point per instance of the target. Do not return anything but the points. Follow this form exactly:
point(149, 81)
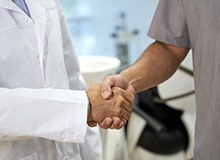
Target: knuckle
point(118, 112)
point(120, 100)
point(132, 98)
point(126, 116)
point(129, 108)
point(103, 126)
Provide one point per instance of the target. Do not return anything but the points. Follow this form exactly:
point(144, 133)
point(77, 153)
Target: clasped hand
point(109, 112)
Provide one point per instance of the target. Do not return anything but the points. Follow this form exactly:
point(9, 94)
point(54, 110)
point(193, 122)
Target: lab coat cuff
point(77, 119)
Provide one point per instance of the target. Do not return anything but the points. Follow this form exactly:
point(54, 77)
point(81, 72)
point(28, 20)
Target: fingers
point(123, 99)
point(112, 112)
point(113, 123)
point(114, 81)
point(122, 124)
point(120, 109)
point(116, 123)
point(92, 124)
point(107, 122)
point(127, 95)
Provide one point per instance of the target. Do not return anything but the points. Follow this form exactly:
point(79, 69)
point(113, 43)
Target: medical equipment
point(123, 37)
point(160, 132)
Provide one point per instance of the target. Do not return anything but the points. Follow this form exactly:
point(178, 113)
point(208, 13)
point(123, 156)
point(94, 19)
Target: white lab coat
point(40, 117)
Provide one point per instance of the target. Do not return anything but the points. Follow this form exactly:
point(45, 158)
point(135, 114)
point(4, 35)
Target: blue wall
point(106, 16)
point(97, 21)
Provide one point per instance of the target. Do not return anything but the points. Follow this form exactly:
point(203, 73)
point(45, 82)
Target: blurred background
point(119, 29)
point(92, 24)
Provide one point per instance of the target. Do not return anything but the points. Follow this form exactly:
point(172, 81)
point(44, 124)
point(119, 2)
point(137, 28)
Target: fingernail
point(92, 124)
point(105, 94)
point(108, 122)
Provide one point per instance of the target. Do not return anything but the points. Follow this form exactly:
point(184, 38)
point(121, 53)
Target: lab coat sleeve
point(92, 148)
point(53, 114)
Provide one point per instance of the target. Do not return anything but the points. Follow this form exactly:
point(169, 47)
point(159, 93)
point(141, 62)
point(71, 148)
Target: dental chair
point(156, 130)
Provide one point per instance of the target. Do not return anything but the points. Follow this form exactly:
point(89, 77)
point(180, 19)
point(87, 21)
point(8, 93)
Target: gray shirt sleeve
point(169, 24)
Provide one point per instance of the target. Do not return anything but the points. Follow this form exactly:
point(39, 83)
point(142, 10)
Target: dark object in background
point(165, 132)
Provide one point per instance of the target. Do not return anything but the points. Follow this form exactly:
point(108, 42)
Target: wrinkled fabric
point(43, 105)
point(195, 24)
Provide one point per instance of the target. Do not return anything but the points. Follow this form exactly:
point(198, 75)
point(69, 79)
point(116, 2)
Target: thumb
point(92, 124)
point(106, 91)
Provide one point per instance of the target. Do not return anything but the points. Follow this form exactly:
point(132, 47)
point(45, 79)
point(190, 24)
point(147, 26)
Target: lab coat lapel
point(38, 15)
point(37, 12)
point(8, 4)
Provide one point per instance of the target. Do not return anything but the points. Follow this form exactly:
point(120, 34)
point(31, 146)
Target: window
point(79, 18)
point(92, 23)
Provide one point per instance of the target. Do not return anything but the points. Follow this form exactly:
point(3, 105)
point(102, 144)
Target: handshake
point(110, 102)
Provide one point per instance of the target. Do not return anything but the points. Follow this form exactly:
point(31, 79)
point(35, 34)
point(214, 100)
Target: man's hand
point(117, 80)
point(119, 104)
point(106, 90)
point(157, 63)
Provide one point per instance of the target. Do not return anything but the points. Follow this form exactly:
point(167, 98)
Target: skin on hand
point(106, 90)
point(118, 105)
point(157, 63)
point(117, 80)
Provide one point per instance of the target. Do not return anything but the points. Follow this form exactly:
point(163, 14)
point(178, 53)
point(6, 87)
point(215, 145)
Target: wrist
point(130, 86)
point(89, 115)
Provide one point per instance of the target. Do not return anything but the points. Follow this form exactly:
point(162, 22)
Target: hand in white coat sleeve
point(53, 114)
point(91, 149)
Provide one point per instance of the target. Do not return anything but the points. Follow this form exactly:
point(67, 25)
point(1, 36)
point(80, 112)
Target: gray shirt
point(196, 24)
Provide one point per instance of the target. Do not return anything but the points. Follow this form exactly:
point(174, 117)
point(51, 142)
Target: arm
point(42, 113)
point(30, 113)
point(160, 60)
point(157, 63)
point(56, 114)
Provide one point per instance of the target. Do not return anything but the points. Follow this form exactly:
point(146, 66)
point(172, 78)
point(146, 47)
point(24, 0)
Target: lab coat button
point(25, 19)
point(48, 85)
point(66, 158)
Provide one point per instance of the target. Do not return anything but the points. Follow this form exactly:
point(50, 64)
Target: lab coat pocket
point(34, 156)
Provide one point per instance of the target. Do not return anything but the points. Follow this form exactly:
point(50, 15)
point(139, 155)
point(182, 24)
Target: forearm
point(157, 63)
